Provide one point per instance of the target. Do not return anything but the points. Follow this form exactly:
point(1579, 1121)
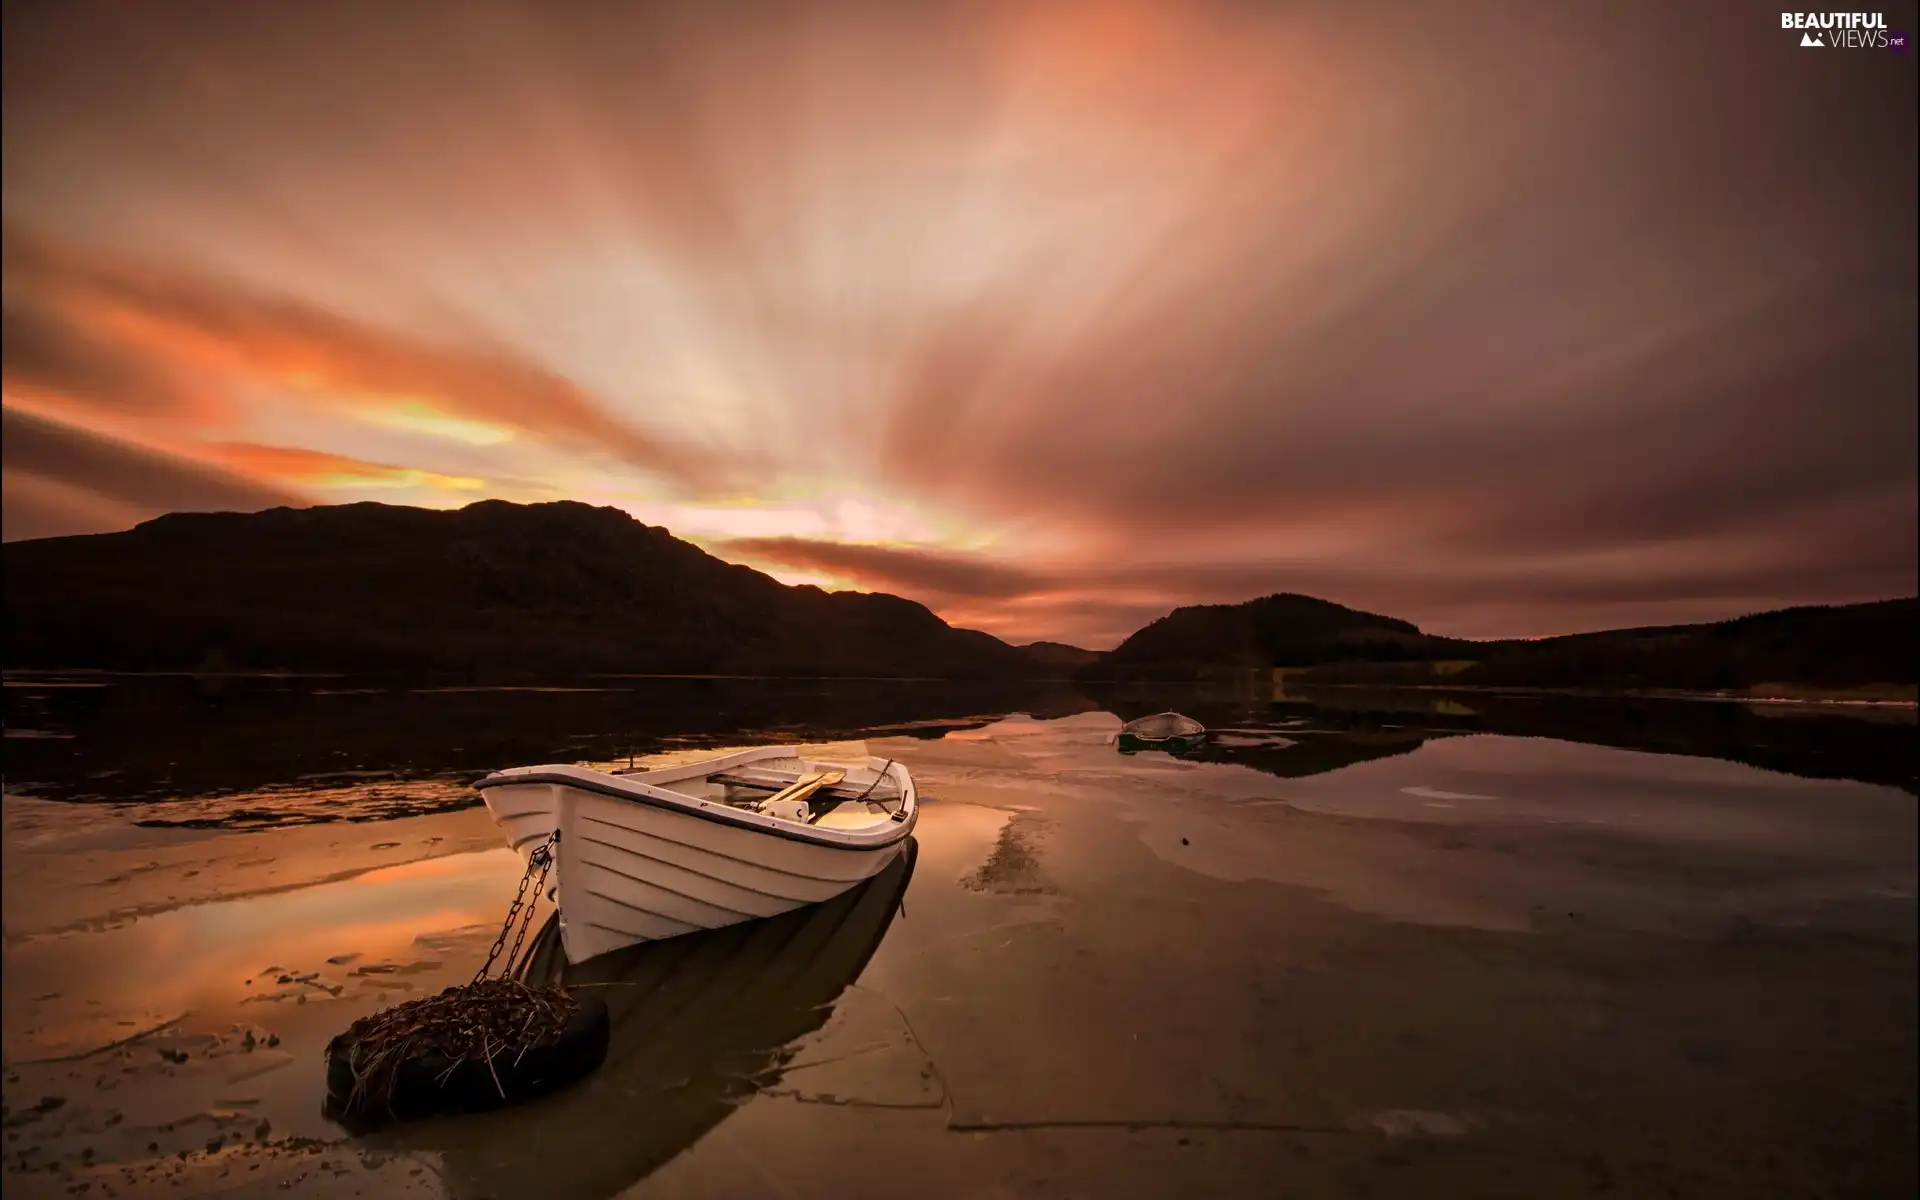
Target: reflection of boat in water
point(700, 1023)
point(660, 853)
point(1169, 731)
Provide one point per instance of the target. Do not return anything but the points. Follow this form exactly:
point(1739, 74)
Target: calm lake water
point(1366, 944)
point(249, 751)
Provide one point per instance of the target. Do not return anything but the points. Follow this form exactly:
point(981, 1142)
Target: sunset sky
point(1509, 319)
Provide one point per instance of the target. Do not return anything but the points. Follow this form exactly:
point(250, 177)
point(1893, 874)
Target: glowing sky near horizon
point(1519, 320)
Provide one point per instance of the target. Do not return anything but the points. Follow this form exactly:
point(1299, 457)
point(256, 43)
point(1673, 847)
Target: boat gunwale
point(890, 830)
point(1197, 731)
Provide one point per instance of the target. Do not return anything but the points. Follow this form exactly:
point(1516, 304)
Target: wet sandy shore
point(1491, 967)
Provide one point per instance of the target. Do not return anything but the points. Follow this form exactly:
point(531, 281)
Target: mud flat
point(1489, 967)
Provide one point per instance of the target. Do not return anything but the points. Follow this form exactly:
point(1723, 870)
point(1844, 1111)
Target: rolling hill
point(1281, 630)
point(498, 589)
point(1059, 654)
point(1816, 648)
point(493, 588)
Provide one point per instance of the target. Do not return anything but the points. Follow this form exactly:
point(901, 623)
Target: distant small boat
point(1169, 731)
point(654, 854)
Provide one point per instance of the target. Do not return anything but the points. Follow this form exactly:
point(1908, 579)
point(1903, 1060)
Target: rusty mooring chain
point(538, 864)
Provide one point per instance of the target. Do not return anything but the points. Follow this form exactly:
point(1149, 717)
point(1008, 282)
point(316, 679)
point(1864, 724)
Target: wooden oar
point(805, 786)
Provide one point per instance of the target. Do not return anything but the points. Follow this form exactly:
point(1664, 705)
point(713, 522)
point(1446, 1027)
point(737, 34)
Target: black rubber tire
point(472, 1087)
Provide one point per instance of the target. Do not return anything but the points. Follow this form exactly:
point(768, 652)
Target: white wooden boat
point(645, 855)
point(699, 1023)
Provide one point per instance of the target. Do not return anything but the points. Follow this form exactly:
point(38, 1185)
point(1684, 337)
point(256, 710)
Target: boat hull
point(1177, 744)
point(698, 1023)
point(1170, 732)
point(635, 869)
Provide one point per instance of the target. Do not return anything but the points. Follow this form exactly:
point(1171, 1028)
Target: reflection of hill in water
point(1301, 741)
point(169, 736)
point(387, 748)
point(1810, 741)
point(700, 1023)
point(1315, 755)
point(1358, 724)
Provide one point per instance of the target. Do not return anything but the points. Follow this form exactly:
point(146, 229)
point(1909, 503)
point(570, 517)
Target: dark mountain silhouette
point(1059, 654)
point(1819, 647)
point(1282, 630)
point(492, 589)
point(498, 590)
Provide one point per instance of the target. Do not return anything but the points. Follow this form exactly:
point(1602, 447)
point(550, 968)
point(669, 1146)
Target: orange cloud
point(319, 469)
point(1504, 326)
point(62, 479)
point(907, 568)
point(67, 366)
point(122, 327)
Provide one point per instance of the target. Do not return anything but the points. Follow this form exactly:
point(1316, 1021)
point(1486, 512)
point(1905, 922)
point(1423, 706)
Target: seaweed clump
point(477, 1022)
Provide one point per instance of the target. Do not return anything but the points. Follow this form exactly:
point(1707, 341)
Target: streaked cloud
point(1508, 319)
point(101, 324)
point(891, 568)
point(61, 479)
point(321, 470)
